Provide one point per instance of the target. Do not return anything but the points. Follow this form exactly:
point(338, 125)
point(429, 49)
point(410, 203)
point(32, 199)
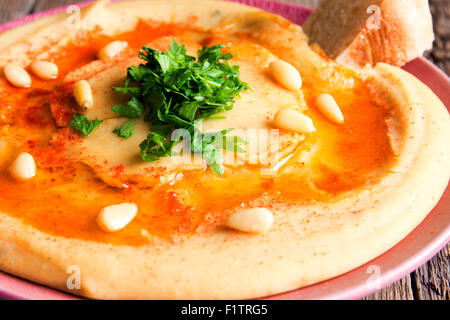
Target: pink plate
point(413, 251)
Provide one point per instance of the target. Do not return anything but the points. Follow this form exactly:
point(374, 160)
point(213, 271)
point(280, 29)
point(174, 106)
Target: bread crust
point(396, 33)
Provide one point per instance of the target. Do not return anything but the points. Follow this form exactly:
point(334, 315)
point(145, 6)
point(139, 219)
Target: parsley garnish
point(133, 109)
point(126, 130)
point(176, 91)
point(82, 124)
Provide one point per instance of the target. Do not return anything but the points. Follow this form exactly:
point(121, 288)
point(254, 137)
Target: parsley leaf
point(157, 144)
point(82, 124)
point(176, 91)
point(133, 109)
point(125, 130)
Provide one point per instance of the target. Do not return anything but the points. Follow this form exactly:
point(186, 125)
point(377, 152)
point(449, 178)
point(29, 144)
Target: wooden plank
point(400, 290)
point(440, 54)
point(10, 10)
point(433, 279)
point(42, 5)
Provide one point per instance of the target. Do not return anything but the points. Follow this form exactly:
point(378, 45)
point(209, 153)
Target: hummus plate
point(288, 260)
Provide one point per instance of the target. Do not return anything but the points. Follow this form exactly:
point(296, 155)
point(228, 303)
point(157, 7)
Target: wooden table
point(430, 281)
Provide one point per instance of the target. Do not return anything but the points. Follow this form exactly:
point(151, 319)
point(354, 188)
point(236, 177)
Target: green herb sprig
point(176, 91)
point(125, 130)
point(82, 124)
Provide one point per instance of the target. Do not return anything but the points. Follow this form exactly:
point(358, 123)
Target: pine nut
point(83, 94)
point(17, 76)
point(329, 108)
point(293, 121)
point(116, 217)
point(23, 167)
point(112, 49)
point(255, 220)
point(44, 70)
point(286, 74)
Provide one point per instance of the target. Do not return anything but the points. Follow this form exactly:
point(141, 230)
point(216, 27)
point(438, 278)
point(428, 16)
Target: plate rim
point(347, 293)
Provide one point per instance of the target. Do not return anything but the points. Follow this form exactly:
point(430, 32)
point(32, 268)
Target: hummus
point(340, 196)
